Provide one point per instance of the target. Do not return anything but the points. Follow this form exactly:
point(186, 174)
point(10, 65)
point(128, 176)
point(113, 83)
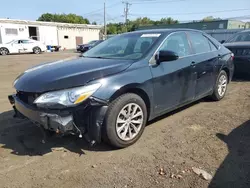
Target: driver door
point(27, 45)
point(174, 81)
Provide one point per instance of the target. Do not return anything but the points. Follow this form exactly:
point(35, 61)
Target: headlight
point(68, 97)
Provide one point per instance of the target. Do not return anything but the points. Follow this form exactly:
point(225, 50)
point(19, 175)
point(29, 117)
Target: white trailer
point(12, 30)
point(66, 35)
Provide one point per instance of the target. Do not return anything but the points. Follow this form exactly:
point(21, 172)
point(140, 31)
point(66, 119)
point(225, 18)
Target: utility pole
point(126, 10)
point(105, 26)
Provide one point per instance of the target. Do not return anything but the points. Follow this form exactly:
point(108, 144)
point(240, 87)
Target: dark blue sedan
point(115, 88)
point(85, 47)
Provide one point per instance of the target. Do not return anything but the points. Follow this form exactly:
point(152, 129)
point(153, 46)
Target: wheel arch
point(36, 47)
point(226, 69)
point(136, 89)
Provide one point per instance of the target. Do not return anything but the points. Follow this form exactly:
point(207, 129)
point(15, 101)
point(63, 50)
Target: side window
point(177, 43)
point(212, 46)
point(27, 41)
point(199, 42)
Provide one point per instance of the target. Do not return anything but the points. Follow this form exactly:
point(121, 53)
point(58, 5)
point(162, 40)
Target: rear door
point(174, 81)
point(204, 60)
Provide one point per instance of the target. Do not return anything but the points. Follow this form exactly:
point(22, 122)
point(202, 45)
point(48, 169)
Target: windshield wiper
point(98, 57)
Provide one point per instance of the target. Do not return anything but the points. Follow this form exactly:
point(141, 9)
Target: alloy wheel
point(3, 52)
point(222, 85)
point(37, 51)
point(129, 122)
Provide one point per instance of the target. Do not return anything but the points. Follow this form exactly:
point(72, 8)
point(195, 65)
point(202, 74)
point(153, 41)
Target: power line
point(101, 9)
point(115, 18)
point(154, 2)
point(190, 13)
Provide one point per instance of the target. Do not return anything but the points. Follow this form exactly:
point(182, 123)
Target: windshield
point(130, 46)
point(240, 37)
point(10, 42)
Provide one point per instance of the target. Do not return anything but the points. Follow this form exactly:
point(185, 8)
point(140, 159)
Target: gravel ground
point(213, 136)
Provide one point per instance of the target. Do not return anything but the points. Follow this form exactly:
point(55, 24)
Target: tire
point(4, 51)
point(220, 86)
point(133, 126)
point(37, 50)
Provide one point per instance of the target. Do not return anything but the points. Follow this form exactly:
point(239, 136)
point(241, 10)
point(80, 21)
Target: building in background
point(204, 25)
point(66, 35)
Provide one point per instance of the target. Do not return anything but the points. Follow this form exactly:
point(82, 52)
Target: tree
point(132, 25)
point(168, 20)
point(63, 18)
point(210, 18)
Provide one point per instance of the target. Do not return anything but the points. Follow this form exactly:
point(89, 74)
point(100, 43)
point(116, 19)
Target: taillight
point(232, 56)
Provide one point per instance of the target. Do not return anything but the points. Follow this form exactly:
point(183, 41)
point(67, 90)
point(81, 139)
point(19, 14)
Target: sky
point(182, 10)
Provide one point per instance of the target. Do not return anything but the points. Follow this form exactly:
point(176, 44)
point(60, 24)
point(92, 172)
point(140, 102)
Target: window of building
point(11, 31)
point(66, 36)
point(221, 26)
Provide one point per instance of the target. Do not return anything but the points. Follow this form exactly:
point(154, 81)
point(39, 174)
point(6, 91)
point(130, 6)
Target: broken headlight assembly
point(66, 98)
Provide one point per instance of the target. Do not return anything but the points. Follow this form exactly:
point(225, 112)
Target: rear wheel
point(37, 50)
point(4, 51)
point(221, 86)
point(125, 120)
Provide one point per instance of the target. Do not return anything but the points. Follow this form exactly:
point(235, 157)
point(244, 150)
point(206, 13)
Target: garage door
point(78, 40)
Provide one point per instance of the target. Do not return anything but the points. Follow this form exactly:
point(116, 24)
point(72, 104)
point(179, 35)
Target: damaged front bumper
point(86, 119)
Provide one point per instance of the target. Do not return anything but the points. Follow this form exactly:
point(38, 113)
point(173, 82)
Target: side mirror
point(222, 41)
point(165, 55)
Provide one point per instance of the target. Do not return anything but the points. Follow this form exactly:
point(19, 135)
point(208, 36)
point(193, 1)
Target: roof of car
point(248, 30)
point(164, 30)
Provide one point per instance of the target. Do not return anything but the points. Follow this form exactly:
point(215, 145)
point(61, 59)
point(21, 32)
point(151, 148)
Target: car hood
point(237, 44)
point(5, 45)
point(67, 73)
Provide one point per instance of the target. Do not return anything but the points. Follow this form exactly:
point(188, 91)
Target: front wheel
point(220, 86)
point(4, 51)
point(125, 120)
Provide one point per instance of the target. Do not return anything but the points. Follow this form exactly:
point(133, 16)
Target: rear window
point(240, 37)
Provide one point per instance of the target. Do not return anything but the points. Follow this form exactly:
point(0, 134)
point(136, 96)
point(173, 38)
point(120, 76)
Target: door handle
point(193, 64)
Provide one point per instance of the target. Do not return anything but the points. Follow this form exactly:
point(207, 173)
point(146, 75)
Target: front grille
point(240, 51)
point(27, 97)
